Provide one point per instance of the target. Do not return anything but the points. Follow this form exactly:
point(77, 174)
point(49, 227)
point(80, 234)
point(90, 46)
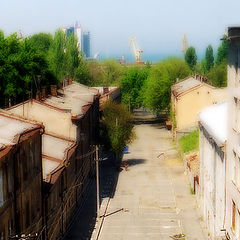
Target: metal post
point(97, 183)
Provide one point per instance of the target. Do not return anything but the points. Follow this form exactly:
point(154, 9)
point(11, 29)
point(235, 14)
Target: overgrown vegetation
point(189, 142)
point(116, 127)
point(157, 89)
point(132, 86)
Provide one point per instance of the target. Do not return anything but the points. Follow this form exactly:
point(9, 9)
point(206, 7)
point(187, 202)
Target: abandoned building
point(21, 209)
point(70, 118)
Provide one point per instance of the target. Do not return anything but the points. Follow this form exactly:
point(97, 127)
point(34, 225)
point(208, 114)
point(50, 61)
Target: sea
point(146, 57)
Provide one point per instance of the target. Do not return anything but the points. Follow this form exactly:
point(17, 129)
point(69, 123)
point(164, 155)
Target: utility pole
point(97, 183)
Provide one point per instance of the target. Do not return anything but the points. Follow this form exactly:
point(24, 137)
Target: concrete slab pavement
point(152, 199)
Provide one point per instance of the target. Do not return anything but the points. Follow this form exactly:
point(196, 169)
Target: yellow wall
point(56, 122)
point(189, 104)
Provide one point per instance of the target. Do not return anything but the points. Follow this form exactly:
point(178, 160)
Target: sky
point(158, 25)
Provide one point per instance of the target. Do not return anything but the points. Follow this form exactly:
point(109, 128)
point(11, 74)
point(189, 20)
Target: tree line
point(215, 69)
point(43, 59)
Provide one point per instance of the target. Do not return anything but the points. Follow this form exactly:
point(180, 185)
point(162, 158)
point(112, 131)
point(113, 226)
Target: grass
point(189, 142)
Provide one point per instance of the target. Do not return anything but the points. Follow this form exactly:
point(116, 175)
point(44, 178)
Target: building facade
point(212, 145)
point(86, 44)
point(188, 98)
point(21, 209)
point(233, 146)
point(70, 118)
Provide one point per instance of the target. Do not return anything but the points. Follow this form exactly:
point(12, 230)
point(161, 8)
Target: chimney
point(44, 92)
point(53, 90)
point(38, 95)
point(105, 90)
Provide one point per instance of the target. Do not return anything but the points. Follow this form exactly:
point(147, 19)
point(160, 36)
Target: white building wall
point(212, 187)
point(233, 146)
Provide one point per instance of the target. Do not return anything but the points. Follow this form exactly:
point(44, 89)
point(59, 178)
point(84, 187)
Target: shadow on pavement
point(133, 161)
point(83, 221)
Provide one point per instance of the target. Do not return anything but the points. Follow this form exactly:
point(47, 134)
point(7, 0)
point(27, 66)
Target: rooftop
point(54, 153)
point(73, 103)
point(214, 120)
point(77, 88)
point(75, 96)
point(101, 89)
point(11, 127)
point(185, 85)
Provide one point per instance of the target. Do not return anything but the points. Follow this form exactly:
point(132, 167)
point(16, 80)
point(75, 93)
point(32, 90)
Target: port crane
point(184, 44)
point(136, 50)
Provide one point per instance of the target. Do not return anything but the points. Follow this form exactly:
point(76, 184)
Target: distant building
point(78, 33)
point(70, 31)
point(106, 93)
point(86, 44)
point(83, 38)
point(189, 97)
point(213, 157)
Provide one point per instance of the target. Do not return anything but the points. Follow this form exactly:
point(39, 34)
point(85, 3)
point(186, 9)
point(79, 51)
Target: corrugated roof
point(214, 120)
point(73, 103)
point(75, 96)
point(54, 151)
point(185, 85)
point(11, 127)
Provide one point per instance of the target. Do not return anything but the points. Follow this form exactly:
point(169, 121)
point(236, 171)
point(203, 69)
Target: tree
point(191, 57)
point(209, 57)
point(132, 84)
point(96, 73)
point(20, 64)
point(117, 127)
point(42, 41)
point(222, 52)
point(113, 71)
point(56, 56)
point(157, 90)
point(217, 76)
point(82, 73)
point(71, 58)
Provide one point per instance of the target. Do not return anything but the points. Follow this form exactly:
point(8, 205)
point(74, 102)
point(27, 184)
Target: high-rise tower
point(86, 44)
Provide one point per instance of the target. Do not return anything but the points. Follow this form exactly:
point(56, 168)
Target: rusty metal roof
point(185, 85)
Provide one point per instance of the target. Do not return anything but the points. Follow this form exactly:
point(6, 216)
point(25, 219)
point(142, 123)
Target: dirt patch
point(172, 162)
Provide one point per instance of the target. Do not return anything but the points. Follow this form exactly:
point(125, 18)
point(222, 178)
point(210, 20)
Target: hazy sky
point(157, 24)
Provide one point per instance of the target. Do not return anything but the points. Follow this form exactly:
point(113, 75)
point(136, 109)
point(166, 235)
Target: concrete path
point(152, 199)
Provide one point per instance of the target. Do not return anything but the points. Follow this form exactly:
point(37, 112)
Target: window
point(1, 187)
point(233, 216)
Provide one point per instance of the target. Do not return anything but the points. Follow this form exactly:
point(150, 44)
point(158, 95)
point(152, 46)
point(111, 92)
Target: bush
point(189, 142)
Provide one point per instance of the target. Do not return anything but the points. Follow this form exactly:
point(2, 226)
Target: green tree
point(42, 41)
point(132, 85)
point(71, 59)
point(82, 72)
point(96, 73)
point(222, 52)
point(209, 57)
point(217, 76)
point(191, 58)
point(20, 64)
point(117, 127)
point(56, 55)
point(113, 71)
point(157, 90)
